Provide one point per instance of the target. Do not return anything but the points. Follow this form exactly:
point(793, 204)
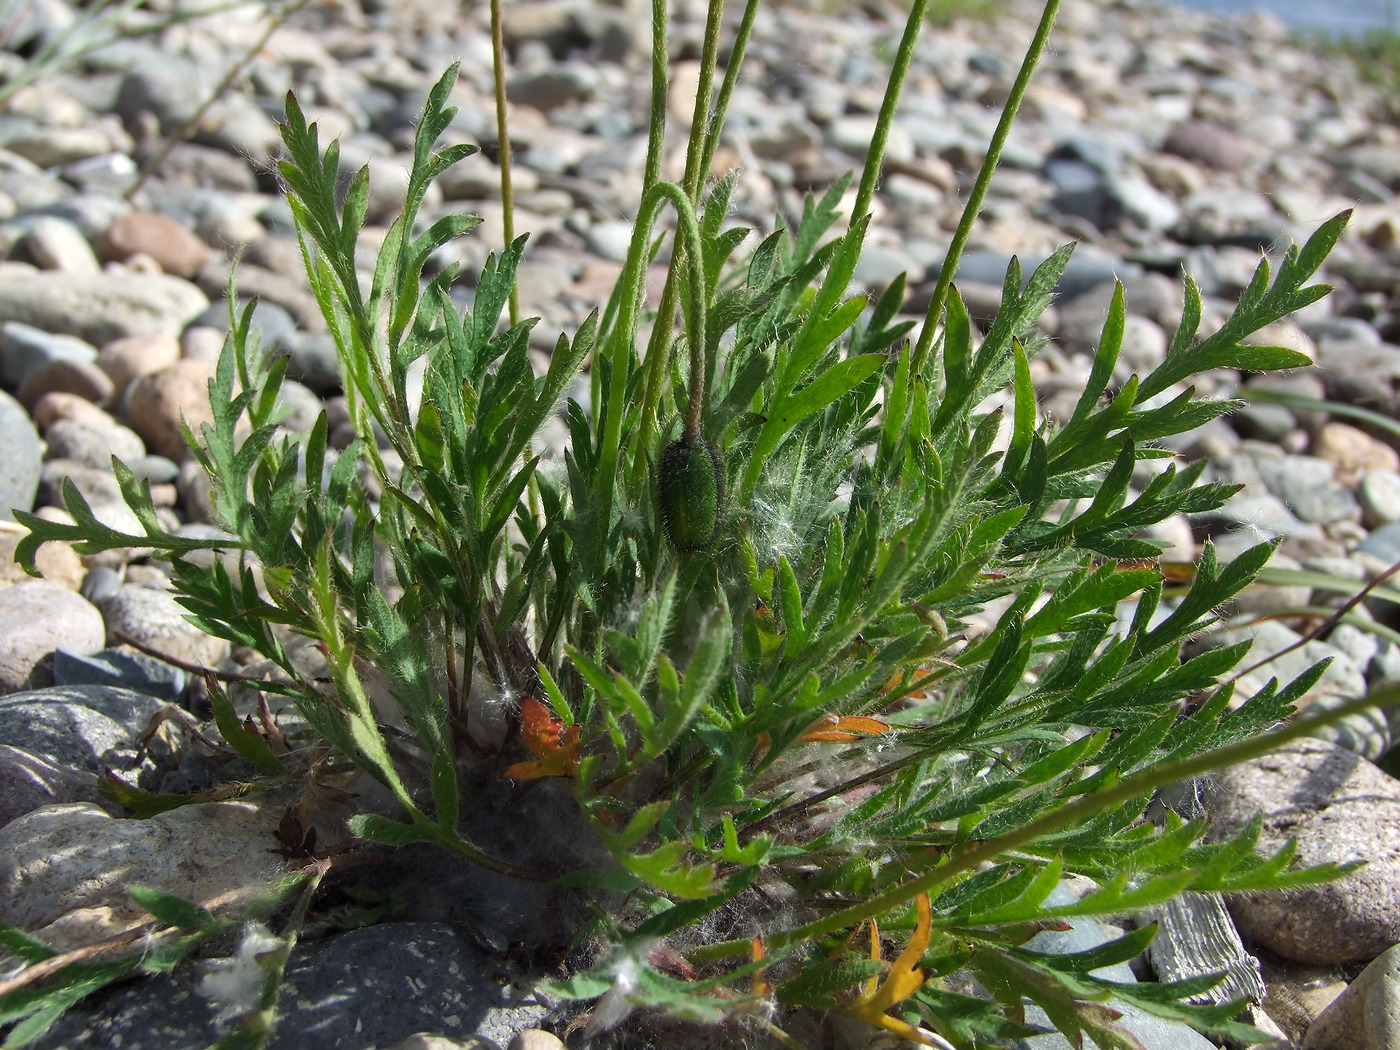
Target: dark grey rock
point(81, 727)
point(314, 361)
point(23, 461)
point(367, 988)
point(24, 348)
point(28, 781)
point(168, 87)
point(556, 86)
point(124, 669)
point(1081, 190)
point(1338, 807)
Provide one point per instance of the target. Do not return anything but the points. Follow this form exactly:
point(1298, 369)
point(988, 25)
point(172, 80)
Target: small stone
point(561, 84)
point(126, 360)
point(424, 1041)
point(28, 782)
point(93, 446)
point(611, 239)
point(1210, 144)
point(36, 617)
point(56, 244)
point(80, 378)
point(535, 1039)
point(1338, 807)
point(65, 869)
point(81, 727)
point(122, 668)
point(178, 251)
point(1378, 492)
point(24, 348)
point(22, 464)
point(1366, 1016)
point(57, 562)
point(1352, 451)
point(158, 401)
point(157, 621)
point(100, 307)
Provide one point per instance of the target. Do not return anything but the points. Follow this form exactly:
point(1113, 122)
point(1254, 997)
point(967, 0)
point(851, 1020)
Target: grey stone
point(1143, 203)
point(24, 348)
point(74, 863)
point(1384, 543)
point(57, 244)
point(559, 85)
point(36, 617)
point(101, 307)
point(1367, 1015)
point(156, 620)
point(29, 781)
point(91, 212)
point(93, 446)
point(22, 464)
point(1339, 808)
point(1365, 732)
point(168, 87)
point(124, 669)
point(610, 239)
point(1306, 484)
point(272, 325)
point(1081, 190)
point(97, 484)
point(82, 727)
point(1380, 161)
point(1378, 492)
point(1263, 421)
point(344, 993)
point(314, 361)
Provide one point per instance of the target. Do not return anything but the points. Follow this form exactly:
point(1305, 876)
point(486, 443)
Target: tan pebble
point(201, 343)
point(175, 249)
point(1351, 451)
point(56, 562)
point(140, 262)
point(159, 401)
point(425, 1041)
point(58, 404)
point(81, 378)
point(534, 1039)
point(126, 360)
point(166, 495)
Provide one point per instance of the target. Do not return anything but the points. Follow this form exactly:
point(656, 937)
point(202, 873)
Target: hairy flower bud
point(691, 486)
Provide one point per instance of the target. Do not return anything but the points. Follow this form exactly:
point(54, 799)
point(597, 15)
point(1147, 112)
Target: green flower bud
point(691, 486)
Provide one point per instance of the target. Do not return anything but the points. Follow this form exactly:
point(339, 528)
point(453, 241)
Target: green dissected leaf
point(387, 832)
point(244, 739)
point(172, 910)
point(142, 803)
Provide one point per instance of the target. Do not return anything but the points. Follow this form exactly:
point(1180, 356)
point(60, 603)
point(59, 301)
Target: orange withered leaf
point(554, 746)
point(832, 727)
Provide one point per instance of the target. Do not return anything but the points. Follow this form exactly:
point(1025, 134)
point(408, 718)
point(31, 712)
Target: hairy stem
point(979, 188)
point(875, 157)
point(688, 230)
point(498, 68)
point(973, 856)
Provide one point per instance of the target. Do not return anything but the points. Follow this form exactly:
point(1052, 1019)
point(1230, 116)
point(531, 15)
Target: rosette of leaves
point(796, 735)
